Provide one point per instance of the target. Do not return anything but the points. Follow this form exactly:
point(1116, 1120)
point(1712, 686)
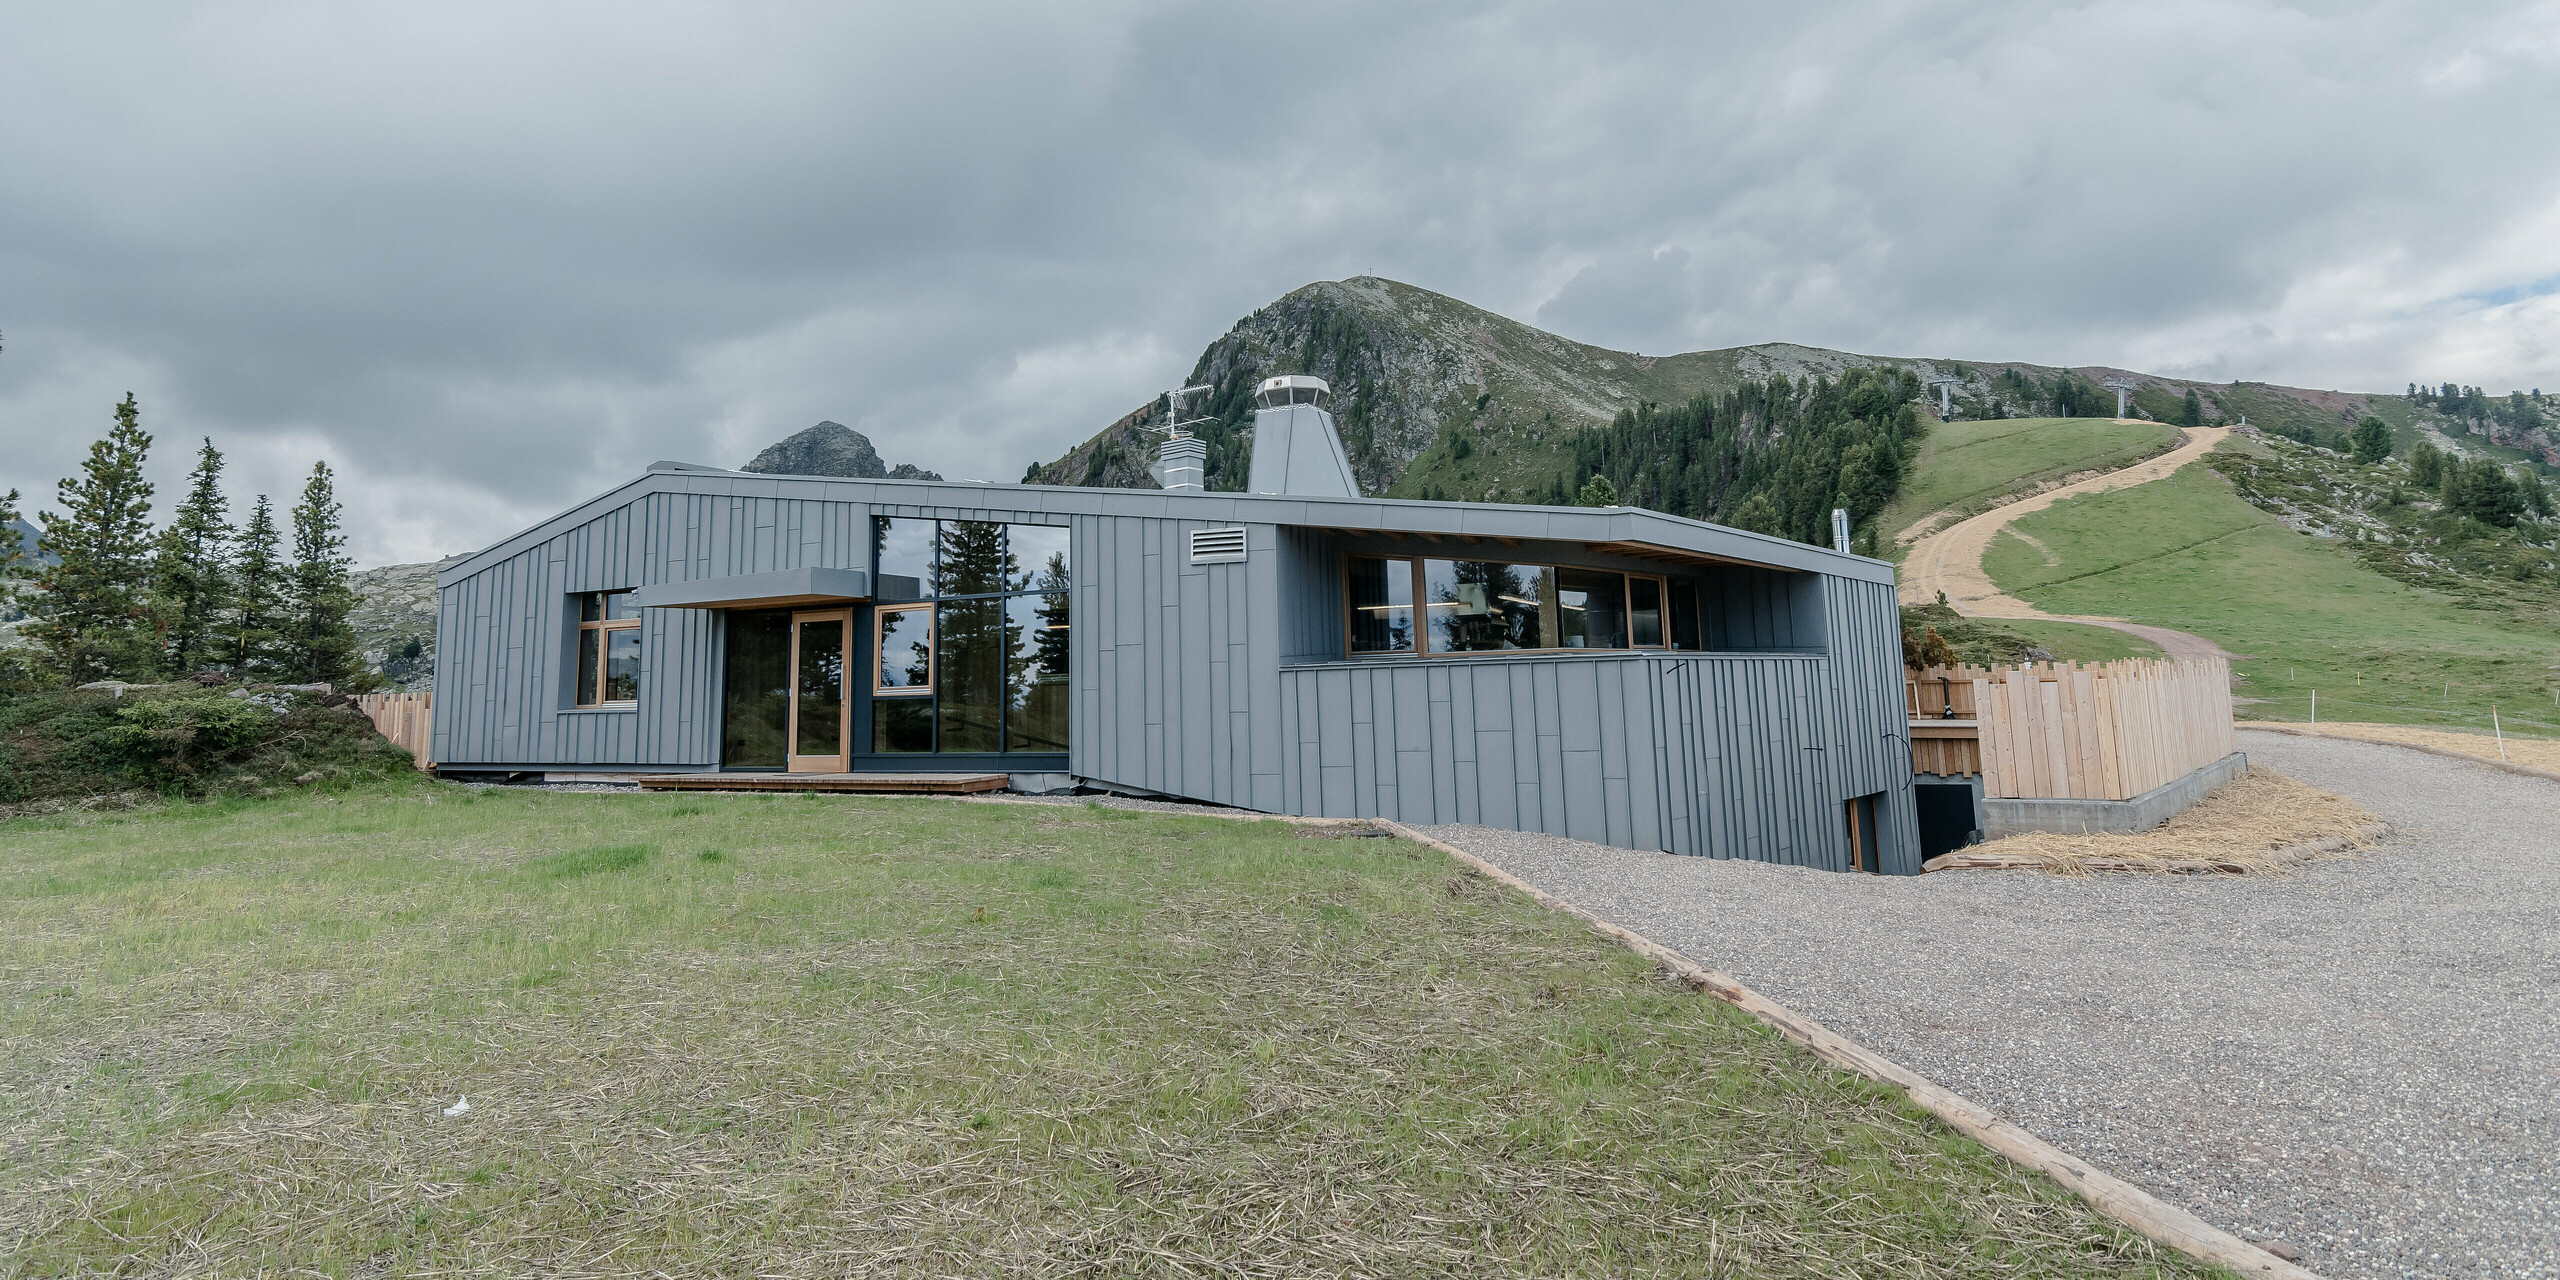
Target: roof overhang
point(781, 589)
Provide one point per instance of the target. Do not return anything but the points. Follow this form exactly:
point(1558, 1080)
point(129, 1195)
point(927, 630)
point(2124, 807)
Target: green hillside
point(1963, 466)
point(1434, 396)
point(2188, 552)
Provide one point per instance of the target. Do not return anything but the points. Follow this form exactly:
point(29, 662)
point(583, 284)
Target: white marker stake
point(2315, 708)
point(2501, 732)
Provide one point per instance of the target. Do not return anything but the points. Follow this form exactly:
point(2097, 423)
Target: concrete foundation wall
point(2079, 817)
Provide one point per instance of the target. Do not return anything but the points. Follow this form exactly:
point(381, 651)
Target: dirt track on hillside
point(1950, 559)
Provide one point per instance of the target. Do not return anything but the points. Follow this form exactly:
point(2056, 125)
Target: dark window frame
point(1030, 582)
point(1422, 641)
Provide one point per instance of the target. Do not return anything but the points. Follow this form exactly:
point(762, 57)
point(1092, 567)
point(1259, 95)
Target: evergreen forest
point(1773, 457)
point(115, 597)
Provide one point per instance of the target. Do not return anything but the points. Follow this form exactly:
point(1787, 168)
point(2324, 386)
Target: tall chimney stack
point(1295, 448)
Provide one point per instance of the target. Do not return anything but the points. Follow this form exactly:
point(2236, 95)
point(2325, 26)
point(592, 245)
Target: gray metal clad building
point(1610, 674)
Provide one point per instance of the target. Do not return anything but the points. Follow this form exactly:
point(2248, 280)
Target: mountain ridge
point(1415, 371)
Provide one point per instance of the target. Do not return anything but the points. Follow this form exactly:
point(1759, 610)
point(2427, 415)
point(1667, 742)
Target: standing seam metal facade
point(1225, 682)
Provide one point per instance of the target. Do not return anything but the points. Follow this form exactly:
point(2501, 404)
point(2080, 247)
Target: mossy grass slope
point(827, 1036)
point(1965, 466)
point(2187, 552)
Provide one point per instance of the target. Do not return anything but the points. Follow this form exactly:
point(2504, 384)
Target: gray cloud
point(487, 259)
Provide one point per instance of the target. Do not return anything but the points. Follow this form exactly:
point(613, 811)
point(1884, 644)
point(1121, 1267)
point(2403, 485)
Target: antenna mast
point(1174, 427)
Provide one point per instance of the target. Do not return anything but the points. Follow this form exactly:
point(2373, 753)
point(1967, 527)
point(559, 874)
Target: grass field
point(781, 1036)
point(1964, 465)
point(2186, 552)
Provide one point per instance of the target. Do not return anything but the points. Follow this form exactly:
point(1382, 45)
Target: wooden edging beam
point(2131, 1205)
point(2160, 1221)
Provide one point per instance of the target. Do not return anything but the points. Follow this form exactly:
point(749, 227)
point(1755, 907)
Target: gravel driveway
point(2358, 1060)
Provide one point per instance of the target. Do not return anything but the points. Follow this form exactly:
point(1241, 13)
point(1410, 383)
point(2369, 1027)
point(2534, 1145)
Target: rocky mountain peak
point(831, 449)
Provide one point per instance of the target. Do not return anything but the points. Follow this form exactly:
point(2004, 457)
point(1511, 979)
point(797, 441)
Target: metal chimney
point(1295, 448)
point(1182, 461)
point(1840, 530)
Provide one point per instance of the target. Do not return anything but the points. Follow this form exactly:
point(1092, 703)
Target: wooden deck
point(895, 783)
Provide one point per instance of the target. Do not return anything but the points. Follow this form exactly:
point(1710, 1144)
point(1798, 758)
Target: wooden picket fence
point(2083, 731)
point(407, 719)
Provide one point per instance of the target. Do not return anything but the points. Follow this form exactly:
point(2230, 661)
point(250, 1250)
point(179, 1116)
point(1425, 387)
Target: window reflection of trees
point(999, 680)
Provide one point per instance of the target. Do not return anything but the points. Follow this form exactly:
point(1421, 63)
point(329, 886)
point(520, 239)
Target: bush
point(61, 746)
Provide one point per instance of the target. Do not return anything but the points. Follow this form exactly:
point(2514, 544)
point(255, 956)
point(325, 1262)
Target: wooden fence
point(405, 718)
point(2102, 731)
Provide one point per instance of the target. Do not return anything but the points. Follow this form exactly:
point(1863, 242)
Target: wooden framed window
point(608, 650)
point(1379, 616)
point(903, 638)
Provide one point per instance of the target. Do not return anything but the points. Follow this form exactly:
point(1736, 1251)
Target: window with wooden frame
point(1404, 604)
point(608, 650)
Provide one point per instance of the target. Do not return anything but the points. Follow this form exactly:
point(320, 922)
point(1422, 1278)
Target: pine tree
point(192, 576)
point(12, 550)
point(2371, 440)
point(94, 617)
point(2191, 412)
point(1597, 492)
point(257, 596)
point(317, 646)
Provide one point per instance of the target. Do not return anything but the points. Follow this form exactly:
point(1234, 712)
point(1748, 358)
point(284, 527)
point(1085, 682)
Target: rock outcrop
point(831, 449)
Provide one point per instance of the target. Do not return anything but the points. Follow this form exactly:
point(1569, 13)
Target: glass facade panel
point(618, 605)
point(590, 607)
point(1476, 605)
point(1644, 612)
point(1039, 555)
point(1684, 616)
point(1381, 605)
point(622, 664)
point(900, 725)
point(590, 650)
point(906, 650)
point(821, 688)
point(755, 706)
point(995, 677)
point(973, 562)
point(1035, 715)
point(1591, 609)
point(969, 674)
point(901, 549)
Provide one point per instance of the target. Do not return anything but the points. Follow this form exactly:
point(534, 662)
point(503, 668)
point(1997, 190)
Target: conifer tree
point(1599, 491)
point(257, 596)
point(192, 576)
point(12, 549)
point(94, 618)
point(2371, 440)
point(317, 644)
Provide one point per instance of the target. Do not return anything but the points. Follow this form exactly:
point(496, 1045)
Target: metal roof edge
point(1480, 519)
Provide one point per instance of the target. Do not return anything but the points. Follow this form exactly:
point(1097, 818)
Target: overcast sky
point(490, 259)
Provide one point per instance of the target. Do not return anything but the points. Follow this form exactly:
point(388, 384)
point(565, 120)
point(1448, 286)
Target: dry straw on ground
point(2261, 824)
point(2532, 753)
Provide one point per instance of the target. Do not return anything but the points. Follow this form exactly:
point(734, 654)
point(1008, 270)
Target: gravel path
point(2357, 1061)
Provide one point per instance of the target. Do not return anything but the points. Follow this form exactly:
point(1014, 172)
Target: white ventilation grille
point(1217, 546)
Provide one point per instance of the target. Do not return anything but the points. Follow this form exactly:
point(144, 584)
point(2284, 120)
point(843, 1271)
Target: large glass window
point(608, 650)
point(1476, 606)
point(1381, 605)
point(982, 668)
point(1591, 609)
point(969, 675)
point(1036, 673)
point(756, 701)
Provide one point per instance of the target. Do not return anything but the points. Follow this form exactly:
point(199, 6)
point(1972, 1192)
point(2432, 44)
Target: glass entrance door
point(820, 643)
